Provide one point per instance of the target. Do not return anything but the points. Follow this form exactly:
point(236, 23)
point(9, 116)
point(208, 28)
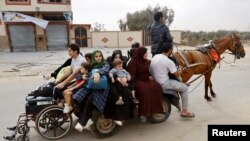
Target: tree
point(98, 27)
point(142, 19)
point(201, 37)
point(122, 25)
point(170, 16)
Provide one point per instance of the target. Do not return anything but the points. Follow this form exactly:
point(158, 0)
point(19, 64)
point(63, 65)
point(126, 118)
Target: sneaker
point(88, 125)
point(143, 119)
point(60, 104)
point(79, 127)
point(135, 100)
point(67, 109)
point(119, 102)
point(118, 122)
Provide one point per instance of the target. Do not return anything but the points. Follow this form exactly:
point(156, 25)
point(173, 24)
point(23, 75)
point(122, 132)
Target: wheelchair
point(50, 121)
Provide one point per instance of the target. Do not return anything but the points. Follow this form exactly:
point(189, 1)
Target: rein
point(204, 73)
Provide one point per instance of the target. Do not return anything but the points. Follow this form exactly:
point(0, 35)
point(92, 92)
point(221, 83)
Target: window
point(54, 17)
point(55, 1)
point(18, 2)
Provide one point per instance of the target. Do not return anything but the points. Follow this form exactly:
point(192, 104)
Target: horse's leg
point(207, 84)
point(211, 89)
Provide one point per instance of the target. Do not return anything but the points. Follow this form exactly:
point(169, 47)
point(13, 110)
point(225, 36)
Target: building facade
point(27, 36)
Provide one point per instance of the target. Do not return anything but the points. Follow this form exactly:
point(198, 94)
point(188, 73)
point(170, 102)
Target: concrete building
point(27, 36)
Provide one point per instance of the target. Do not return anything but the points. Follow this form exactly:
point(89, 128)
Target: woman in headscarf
point(117, 54)
point(146, 89)
point(118, 112)
point(92, 98)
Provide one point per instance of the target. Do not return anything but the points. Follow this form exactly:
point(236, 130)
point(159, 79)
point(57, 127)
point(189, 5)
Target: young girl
point(81, 79)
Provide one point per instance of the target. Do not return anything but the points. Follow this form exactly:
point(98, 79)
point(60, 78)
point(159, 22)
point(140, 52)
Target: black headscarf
point(115, 52)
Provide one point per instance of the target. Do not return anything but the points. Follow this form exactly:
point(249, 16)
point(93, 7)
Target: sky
point(193, 15)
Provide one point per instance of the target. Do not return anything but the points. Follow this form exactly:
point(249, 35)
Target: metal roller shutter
point(57, 37)
point(22, 37)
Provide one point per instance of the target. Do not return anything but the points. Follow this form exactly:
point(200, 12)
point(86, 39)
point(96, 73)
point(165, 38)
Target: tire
point(23, 129)
point(102, 127)
point(161, 117)
point(52, 123)
point(22, 138)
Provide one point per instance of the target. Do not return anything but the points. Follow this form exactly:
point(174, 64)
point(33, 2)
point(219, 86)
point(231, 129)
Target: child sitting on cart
point(81, 79)
point(122, 76)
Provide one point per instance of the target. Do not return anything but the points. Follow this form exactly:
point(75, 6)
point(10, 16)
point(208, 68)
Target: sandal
point(188, 115)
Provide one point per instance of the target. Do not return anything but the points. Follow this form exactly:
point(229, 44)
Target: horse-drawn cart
point(52, 123)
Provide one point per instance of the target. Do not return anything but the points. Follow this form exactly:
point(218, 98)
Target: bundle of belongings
point(45, 90)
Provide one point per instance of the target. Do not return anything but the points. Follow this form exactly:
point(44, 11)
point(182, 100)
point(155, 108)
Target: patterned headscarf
point(93, 62)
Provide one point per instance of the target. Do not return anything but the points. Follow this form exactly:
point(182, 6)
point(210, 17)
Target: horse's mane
point(219, 40)
point(228, 36)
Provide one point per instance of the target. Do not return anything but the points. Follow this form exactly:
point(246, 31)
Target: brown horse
point(203, 64)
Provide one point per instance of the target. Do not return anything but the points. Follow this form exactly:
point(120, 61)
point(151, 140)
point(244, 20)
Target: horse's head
point(237, 48)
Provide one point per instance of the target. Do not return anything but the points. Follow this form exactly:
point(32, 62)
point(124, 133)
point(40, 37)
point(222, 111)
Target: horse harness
point(237, 46)
point(204, 50)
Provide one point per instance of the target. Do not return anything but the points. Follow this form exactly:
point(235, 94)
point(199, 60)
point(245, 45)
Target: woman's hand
point(85, 77)
point(96, 78)
point(113, 80)
point(151, 78)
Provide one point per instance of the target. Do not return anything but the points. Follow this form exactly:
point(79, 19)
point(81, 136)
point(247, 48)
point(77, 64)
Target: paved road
point(231, 106)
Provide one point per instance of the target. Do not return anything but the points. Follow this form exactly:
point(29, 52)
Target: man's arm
point(178, 72)
point(69, 79)
point(78, 85)
point(168, 37)
point(173, 70)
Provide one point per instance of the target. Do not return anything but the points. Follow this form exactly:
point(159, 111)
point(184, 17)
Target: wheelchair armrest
point(39, 99)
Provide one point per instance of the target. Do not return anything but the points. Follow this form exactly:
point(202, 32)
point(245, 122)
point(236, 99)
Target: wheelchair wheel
point(52, 123)
point(102, 127)
point(23, 129)
point(161, 117)
point(22, 138)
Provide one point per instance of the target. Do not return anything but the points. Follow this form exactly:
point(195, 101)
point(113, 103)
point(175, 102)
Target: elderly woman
point(93, 98)
point(146, 89)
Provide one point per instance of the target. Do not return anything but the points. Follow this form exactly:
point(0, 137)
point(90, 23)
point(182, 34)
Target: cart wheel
point(22, 138)
point(23, 129)
point(102, 127)
point(161, 117)
point(52, 123)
